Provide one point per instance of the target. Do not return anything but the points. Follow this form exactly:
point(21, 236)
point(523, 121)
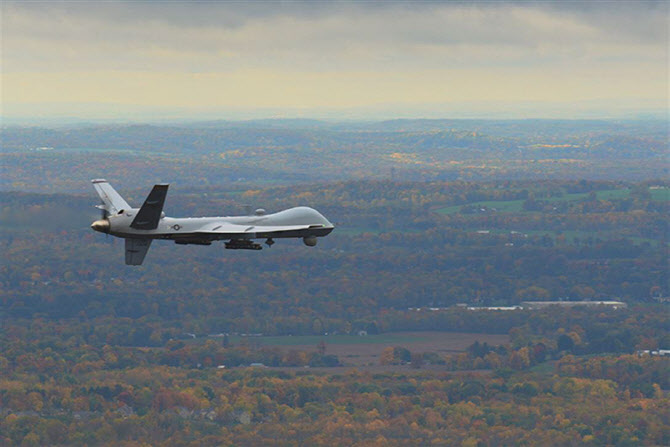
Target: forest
point(184, 350)
point(246, 154)
point(396, 246)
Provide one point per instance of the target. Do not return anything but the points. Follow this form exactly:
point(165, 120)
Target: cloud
point(206, 36)
point(302, 54)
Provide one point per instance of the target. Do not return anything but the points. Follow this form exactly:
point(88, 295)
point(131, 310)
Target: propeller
point(102, 225)
point(103, 211)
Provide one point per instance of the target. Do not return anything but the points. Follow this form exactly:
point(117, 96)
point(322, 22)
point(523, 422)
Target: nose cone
point(101, 225)
point(323, 220)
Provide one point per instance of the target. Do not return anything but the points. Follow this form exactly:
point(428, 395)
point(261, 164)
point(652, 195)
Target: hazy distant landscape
point(271, 152)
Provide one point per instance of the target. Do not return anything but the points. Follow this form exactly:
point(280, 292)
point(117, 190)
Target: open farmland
point(364, 351)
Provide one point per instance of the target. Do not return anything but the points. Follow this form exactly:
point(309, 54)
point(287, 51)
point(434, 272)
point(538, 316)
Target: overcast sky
point(156, 59)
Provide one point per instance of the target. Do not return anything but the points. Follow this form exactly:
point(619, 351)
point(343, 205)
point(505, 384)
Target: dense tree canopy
point(93, 352)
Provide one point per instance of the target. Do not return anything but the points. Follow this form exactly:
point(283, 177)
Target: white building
point(543, 304)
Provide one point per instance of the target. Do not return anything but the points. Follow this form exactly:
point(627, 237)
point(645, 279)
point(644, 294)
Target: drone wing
point(225, 230)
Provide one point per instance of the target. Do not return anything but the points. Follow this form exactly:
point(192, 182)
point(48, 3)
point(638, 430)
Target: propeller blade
point(103, 211)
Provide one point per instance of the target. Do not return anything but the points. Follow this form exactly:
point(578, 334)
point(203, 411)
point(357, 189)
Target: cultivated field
point(364, 351)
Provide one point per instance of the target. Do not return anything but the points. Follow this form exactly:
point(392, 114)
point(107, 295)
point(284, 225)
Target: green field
point(355, 231)
point(571, 235)
point(662, 194)
point(516, 206)
point(307, 340)
point(507, 206)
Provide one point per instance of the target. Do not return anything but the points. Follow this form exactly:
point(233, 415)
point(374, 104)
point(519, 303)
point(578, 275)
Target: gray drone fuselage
point(278, 225)
point(140, 226)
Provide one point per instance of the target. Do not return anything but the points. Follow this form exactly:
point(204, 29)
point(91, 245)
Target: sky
point(153, 60)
